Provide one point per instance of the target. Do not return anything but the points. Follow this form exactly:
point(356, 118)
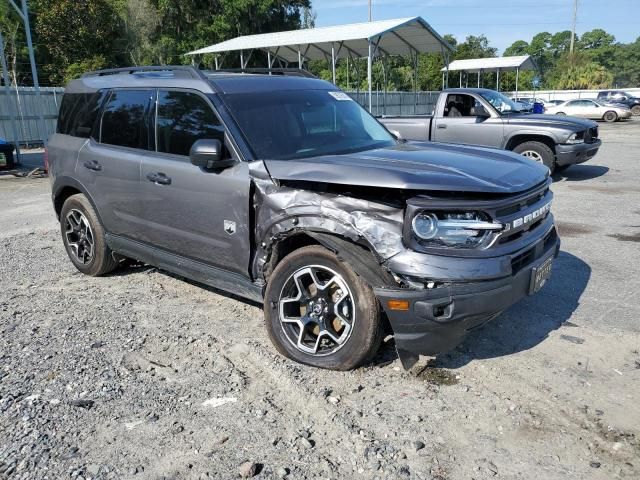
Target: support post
point(498, 80)
point(299, 58)
point(7, 95)
point(479, 73)
point(333, 63)
point(24, 15)
point(517, 77)
point(241, 59)
point(370, 73)
point(415, 83)
point(269, 60)
point(442, 80)
point(460, 80)
point(215, 59)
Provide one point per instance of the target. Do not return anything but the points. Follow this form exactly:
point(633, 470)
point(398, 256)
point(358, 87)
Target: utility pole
point(573, 30)
point(7, 95)
point(370, 17)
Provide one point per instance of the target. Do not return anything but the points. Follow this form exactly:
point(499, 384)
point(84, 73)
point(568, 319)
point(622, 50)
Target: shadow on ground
point(579, 173)
point(529, 322)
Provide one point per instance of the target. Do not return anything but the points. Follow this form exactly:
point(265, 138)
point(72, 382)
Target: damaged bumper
point(437, 319)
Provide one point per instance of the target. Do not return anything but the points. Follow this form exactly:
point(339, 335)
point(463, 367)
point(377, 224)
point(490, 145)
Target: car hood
point(418, 166)
point(550, 120)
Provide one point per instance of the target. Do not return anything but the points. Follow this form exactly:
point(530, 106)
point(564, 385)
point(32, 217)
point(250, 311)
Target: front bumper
point(438, 319)
point(578, 153)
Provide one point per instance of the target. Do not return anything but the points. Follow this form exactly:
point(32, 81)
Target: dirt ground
point(144, 375)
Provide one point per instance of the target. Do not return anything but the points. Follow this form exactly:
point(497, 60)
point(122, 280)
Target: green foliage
point(72, 36)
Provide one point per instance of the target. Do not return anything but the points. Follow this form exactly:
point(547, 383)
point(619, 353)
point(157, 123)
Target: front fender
point(511, 137)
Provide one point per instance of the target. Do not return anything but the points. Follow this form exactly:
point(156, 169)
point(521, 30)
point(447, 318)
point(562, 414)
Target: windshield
point(292, 124)
point(501, 103)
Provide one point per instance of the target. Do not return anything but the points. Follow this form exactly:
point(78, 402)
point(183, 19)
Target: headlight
point(453, 229)
point(577, 137)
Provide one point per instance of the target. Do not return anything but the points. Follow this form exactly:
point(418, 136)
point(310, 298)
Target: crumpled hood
point(571, 123)
point(418, 166)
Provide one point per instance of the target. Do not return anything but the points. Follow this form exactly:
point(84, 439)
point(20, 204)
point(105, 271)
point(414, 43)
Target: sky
point(502, 21)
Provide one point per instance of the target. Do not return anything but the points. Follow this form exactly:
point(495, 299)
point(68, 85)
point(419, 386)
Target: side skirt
point(185, 267)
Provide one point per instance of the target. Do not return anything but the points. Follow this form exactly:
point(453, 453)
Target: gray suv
point(283, 190)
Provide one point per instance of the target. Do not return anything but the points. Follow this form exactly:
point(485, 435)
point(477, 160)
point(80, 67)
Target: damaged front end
point(432, 293)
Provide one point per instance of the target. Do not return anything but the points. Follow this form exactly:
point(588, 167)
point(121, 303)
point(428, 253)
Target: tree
point(595, 39)
point(519, 47)
point(76, 34)
point(475, 47)
point(577, 71)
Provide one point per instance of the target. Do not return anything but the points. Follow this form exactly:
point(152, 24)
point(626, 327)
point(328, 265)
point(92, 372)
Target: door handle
point(92, 165)
point(159, 178)
point(442, 125)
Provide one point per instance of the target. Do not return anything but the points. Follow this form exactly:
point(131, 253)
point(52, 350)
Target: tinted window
point(78, 113)
point(182, 119)
point(124, 120)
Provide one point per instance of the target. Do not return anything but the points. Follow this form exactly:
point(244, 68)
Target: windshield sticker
point(343, 97)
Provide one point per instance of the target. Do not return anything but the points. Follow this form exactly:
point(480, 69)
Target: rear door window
point(183, 118)
point(125, 119)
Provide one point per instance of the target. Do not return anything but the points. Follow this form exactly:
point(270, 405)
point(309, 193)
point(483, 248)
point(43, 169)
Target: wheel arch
point(64, 188)
point(359, 255)
point(520, 138)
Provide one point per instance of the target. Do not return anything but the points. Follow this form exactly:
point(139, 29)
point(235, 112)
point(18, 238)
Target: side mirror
point(207, 154)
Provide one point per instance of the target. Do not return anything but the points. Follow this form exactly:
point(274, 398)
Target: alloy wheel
point(79, 236)
point(533, 155)
point(316, 310)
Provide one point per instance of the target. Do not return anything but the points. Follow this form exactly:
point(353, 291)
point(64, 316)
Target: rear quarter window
point(78, 113)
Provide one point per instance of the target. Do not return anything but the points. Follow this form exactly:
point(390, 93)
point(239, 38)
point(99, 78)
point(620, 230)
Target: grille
point(521, 209)
point(591, 135)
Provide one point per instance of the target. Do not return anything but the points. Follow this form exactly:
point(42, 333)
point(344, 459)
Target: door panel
point(110, 166)
point(461, 123)
point(188, 215)
point(112, 177)
point(187, 210)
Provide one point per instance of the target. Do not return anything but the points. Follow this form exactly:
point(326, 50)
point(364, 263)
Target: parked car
point(532, 100)
point(585, 108)
point(621, 97)
point(555, 102)
point(478, 116)
point(285, 191)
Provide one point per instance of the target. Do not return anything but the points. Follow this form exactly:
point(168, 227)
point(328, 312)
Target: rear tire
point(562, 114)
point(539, 152)
point(337, 326)
point(635, 110)
point(610, 116)
point(83, 237)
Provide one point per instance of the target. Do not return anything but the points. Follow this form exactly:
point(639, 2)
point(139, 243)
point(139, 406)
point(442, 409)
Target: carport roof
point(396, 37)
point(522, 62)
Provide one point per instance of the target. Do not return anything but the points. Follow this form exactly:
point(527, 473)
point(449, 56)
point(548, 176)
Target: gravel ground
point(143, 375)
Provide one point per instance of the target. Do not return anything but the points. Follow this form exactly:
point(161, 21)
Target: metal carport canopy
point(489, 64)
point(402, 36)
point(475, 65)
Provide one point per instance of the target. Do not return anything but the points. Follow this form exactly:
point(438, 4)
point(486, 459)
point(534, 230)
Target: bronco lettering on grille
point(529, 218)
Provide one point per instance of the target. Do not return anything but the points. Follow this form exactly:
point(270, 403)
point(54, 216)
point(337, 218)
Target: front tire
point(539, 152)
point(610, 117)
point(83, 237)
point(320, 313)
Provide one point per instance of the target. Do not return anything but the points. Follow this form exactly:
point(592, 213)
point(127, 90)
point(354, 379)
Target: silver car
point(586, 108)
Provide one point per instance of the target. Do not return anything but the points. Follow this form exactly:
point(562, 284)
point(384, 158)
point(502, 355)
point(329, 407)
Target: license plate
point(540, 275)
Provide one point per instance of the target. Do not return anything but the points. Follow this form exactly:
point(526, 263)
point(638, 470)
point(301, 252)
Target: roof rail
point(181, 70)
point(292, 72)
